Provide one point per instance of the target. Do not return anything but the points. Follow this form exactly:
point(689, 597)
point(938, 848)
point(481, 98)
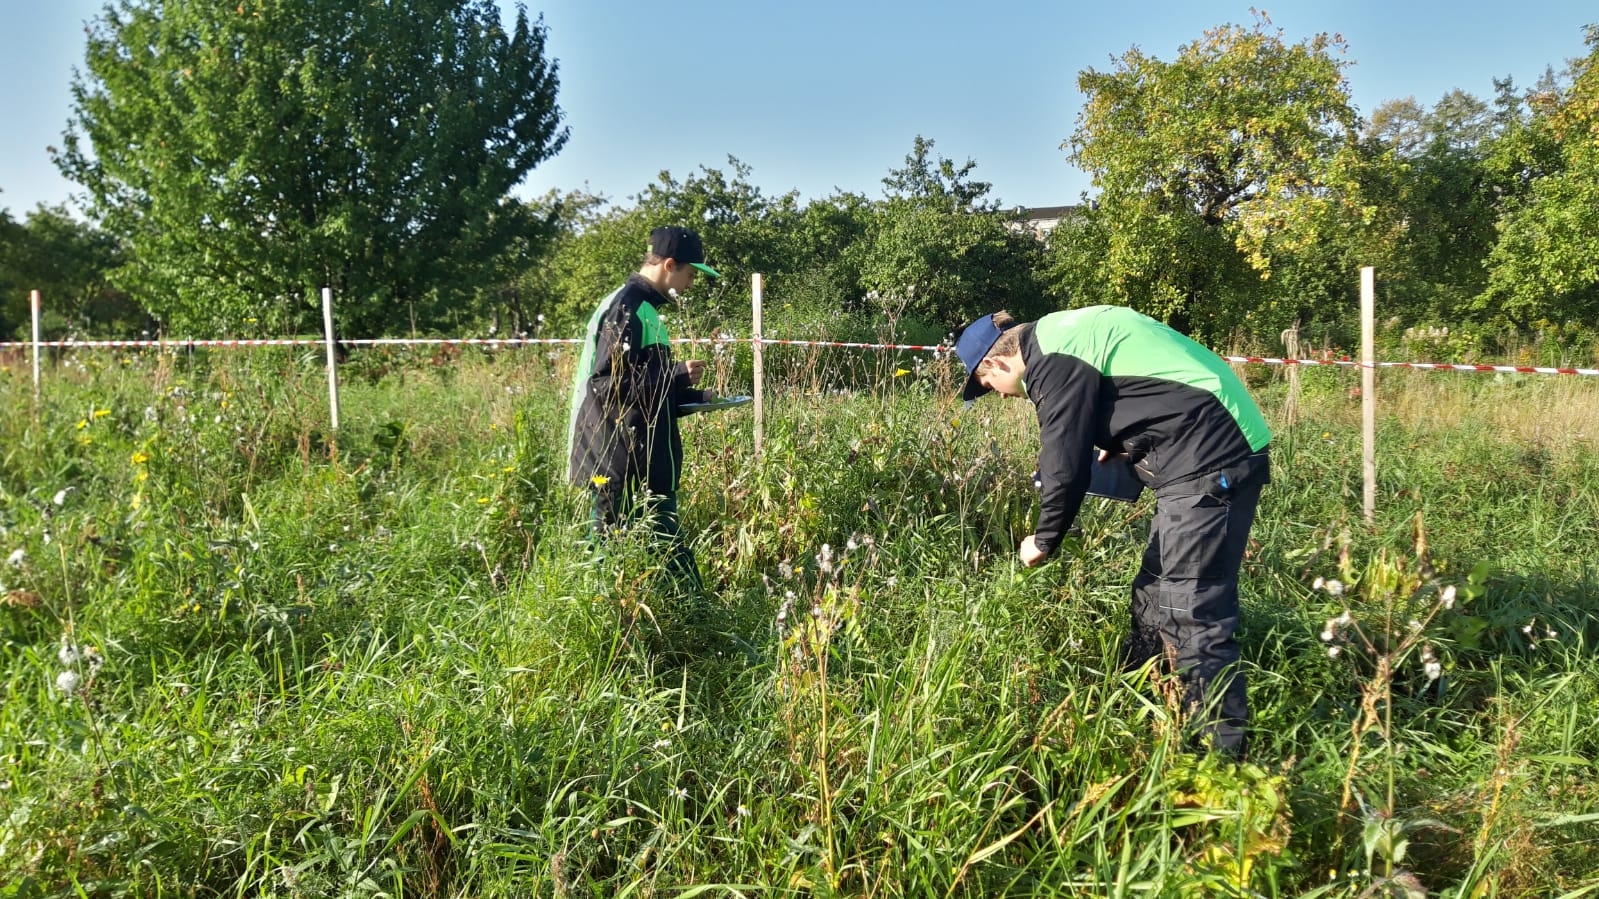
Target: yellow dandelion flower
point(139, 457)
point(599, 480)
point(508, 469)
point(101, 413)
point(955, 422)
point(83, 423)
point(901, 372)
point(482, 500)
point(141, 477)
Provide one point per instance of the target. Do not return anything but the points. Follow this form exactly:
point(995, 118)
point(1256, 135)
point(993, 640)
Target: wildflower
point(61, 496)
point(901, 372)
point(662, 743)
point(16, 558)
point(743, 811)
point(680, 792)
point(68, 654)
point(1447, 600)
point(101, 413)
point(139, 457)
point(599, 480)
point(1430, 663)
point(1334, 587)
point(67, 682)
point(1333, 651)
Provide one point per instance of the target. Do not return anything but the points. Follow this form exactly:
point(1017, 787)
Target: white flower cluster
point(75, 661)
point(1430, 663)
point(1333, 586)
point(1334, 631)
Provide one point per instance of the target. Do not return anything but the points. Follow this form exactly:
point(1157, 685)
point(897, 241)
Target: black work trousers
point(613, 510)
point(1185, 604)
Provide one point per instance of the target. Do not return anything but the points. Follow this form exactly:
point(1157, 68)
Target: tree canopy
point(1210, 167)
point(251, 153)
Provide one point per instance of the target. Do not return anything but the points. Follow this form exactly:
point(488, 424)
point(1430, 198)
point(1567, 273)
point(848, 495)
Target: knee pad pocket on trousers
point(1192, 531)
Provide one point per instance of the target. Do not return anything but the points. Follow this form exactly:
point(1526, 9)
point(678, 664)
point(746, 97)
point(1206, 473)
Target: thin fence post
point(33, 301)
point(1290, 353)
point(1368, 389)
point(756, 348)
point(333, 368)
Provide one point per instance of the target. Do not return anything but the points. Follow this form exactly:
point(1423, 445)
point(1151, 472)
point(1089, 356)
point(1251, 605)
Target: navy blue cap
point(972, 345)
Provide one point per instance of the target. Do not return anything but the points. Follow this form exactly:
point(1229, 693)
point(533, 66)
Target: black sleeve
point(629, 377)
point(684, 393)
point(1065, 391)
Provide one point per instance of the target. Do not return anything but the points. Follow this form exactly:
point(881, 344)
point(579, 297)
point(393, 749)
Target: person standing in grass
point(627, 395)
point(1144, 395)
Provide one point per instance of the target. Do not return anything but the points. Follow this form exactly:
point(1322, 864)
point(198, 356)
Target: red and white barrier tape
point(1424, 366)
point(562, 341)
point(856, 346)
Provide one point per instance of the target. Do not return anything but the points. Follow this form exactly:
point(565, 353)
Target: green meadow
point(244, 655)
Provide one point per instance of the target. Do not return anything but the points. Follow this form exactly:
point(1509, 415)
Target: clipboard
point(721, 402)
point(1114, 479)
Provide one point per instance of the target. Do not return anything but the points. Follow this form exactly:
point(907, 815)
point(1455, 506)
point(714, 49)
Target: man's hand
point(696, 369)
point(1031, 555)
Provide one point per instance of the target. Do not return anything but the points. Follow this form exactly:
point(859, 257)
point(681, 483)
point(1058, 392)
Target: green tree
point(939, 249)
point(1545, 265)
point(744, 231)
point(251, 153)
point(69, 262)
point(1213, 169)
point(1439, 199)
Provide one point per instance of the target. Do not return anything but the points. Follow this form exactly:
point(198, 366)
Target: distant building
point(1041, 220)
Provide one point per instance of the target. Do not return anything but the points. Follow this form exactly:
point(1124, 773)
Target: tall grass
point(245, 656)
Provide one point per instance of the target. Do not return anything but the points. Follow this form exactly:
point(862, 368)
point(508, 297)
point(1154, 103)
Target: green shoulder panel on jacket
point(654, 329)
point(1122, 343)
point(585, 366)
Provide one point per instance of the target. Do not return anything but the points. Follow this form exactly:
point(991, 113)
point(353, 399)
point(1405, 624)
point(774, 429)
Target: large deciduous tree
point(1212, 170)
point(251, 152)
point(1545, 265)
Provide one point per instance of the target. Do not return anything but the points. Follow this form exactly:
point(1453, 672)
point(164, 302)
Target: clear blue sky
point(831, 93)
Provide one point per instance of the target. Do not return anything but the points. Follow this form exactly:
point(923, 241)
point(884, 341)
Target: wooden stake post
point(1368, 389)
point(756, 347)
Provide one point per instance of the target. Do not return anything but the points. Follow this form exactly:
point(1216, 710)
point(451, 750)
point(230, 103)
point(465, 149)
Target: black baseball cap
point(681, 244)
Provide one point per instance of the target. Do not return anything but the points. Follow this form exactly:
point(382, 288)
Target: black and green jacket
point(1109, 377)
point(627, 396)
